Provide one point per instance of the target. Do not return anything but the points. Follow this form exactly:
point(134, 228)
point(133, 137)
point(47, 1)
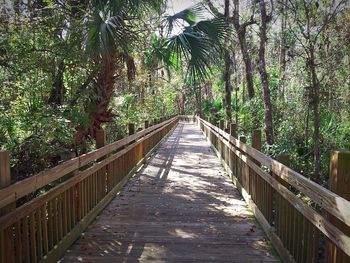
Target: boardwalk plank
point(180, 207)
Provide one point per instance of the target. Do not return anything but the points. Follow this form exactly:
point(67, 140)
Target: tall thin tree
point(228, 63)
point(264, 20)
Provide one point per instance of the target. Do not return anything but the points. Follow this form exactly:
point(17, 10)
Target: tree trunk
point(247, 62)
point(263, 75)
point(227, 74)
point(198, 92)
point(283, 48)
point(100, 111)
point(243, 90)
point(58, 90)
point(307, 126)
point(241, 34)
point(182, 103)
point(316, 113)
point(235, 70)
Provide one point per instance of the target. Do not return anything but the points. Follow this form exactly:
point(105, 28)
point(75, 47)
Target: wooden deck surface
point(181, 207)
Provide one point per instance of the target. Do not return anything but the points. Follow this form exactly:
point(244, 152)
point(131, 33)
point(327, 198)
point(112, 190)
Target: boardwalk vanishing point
point(180, 207)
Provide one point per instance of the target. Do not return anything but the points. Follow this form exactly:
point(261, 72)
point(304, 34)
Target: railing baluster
point(7, 237)
point(339, 182)
point(33, 243)
point(25, 240)
point(294, 226)
point(86, 184)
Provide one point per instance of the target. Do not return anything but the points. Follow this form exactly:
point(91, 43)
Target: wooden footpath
point(180, 207)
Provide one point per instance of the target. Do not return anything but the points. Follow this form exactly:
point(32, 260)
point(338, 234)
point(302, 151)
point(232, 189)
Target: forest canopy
point(71, 68)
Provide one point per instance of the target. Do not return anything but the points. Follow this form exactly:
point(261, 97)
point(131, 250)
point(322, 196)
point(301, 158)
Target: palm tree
point(197, 46)
point(110, 35)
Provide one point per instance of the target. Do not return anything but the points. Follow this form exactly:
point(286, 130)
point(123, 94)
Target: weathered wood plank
point(13, 192)
point(66, 242)
point(270, 231)
point(326, 199)
point(25, 209)
point(331, 202)
point(180, 208)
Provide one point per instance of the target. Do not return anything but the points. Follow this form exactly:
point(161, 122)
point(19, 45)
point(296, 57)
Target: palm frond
point(133, 7)
point(197, 49)
point(111, 23)
point(107, 32)
point(199, 43)
point(215, 29)
point(189, 15)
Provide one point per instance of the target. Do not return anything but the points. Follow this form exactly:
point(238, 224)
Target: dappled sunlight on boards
point(180, 207)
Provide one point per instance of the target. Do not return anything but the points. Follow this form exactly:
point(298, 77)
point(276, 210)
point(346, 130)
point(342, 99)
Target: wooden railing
point(305, 221)
point(43, 228)
point(187, 118)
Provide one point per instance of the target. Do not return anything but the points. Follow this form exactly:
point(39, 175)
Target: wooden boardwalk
point(181, 207)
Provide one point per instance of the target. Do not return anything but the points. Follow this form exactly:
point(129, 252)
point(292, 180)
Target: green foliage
point(53, 68)
point(212, 109)
point(49, 80)
point(199, 44)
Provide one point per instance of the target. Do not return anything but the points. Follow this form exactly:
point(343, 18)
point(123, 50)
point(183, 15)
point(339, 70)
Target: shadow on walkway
point(180, 207)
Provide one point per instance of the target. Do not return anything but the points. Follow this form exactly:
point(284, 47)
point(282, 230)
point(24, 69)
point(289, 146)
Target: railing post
point(254, 178)
point(258, 187)
point(256, 139)
point(222, 124)
point(131, 128)
point(339, 183)
point(7, 241)
point(5, 176)
point(284, 159)
point(227, 127)
point(220, 143)
point(100, 138)
point(232, 155)
point(146, 124)
point(207, 131)
point(233, 130)
point(101, 179)
point(243, 139)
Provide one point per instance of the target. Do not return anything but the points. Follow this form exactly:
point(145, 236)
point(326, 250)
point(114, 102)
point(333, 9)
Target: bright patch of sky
point(175, 6)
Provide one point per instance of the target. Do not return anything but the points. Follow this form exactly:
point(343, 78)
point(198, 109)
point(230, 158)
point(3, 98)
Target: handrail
point(44, 227)
point(331, 203)
point(325, 198)
point(22, 188)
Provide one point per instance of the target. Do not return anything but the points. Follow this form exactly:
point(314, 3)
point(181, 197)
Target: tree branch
point(213, 9)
